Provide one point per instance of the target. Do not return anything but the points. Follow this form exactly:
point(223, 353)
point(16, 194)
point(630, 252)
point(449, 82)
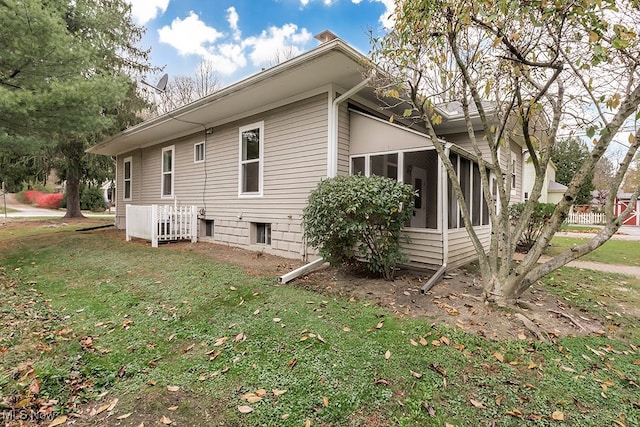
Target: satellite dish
point(162, 83)
point(161, 86)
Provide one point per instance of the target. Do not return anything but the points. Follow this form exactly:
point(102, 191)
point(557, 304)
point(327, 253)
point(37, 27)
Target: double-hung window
point(198, 152)
point(126, 166)
point(251, 160)
point(168, 154)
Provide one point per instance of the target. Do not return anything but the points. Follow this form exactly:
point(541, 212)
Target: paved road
point(28, 211)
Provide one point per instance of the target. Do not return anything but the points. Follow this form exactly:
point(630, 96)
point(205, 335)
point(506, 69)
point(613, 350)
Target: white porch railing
point(586, 218)
point(161, 223)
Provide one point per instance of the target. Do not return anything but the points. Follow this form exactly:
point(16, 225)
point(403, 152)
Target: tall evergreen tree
point(65, 79)
point(568, 155)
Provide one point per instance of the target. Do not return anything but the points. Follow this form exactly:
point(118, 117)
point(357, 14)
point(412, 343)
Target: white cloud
point(144, 11)
point(190, 36)
point(228, 52)
point(269, 43)
point(356, 1)
point(232, 19)
point(386, 18)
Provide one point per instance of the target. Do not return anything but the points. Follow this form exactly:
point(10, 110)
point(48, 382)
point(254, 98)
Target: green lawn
point(621, 252)
point(86, 317)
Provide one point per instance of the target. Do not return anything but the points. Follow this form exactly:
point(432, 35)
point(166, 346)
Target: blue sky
point(239, 37)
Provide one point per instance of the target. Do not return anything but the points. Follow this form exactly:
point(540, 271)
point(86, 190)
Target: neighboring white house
point(249, 155)
point(552, 191)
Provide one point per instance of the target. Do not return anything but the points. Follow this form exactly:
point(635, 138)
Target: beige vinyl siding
point(461, 249)
point(462, 140)
point(344, 143)
point(371, 135)
point(424, 248)
point(294, 161)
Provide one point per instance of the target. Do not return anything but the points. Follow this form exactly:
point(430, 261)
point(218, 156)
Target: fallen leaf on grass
point(515, 413)
point(499, 357)
point(251, 397)
point(430, 409)
point(423, 341)
point(307, 423)
point(382, 381)
point(416, 374)
point(379, 325)
point(58, 421)
point(166, 420)
point(173, 387)
point(413, 342)
point(261, 392)
point(124, 416)
point(387, 355)
point(240, 337)
point(220, 341)
point(255, 313)
point(277, 319)
point(620, 423)
point(172, 408)
point(557, 416)
point(325, 401)
point(438, 369)
point(277, 392)
point(346, 329)
point(34, 387)
point(188, 349)
point(113, 404)
point(477, 404)
point(244, 409)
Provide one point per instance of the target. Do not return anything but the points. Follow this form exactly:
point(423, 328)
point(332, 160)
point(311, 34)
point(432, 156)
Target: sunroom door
point(419, 182)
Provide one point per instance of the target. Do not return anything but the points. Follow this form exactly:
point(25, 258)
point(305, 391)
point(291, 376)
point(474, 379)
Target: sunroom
point(436, 231)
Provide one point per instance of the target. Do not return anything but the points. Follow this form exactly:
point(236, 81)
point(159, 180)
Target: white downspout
point(444, 226)
point(332, 165)
point(332, 148)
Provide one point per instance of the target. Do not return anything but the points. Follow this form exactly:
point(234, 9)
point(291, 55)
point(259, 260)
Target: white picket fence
point(162, 223)
point(586, 218)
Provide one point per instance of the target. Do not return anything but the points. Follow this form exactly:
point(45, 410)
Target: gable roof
point(332, 63)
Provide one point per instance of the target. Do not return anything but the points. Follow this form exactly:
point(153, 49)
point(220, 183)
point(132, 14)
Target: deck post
point(154, 226)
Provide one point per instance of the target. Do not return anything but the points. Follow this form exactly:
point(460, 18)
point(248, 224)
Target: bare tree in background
point(603, 174)
point(184, 89)
point(283, 54)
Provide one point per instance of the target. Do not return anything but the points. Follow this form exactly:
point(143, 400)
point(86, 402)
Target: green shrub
point(541, 213)
point(359, 217)
point(92, 199)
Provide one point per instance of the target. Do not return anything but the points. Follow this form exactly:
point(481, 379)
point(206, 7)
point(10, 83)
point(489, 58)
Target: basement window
point(261, 233)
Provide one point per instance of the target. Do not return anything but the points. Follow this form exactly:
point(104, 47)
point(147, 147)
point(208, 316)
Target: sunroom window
point(418, 168)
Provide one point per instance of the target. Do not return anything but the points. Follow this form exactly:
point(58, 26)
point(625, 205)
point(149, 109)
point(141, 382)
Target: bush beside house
point(359, 218)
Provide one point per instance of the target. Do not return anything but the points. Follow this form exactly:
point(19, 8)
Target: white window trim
point(514, 177)
point(124, 179)
point(259, 193)
point(195, 152)
point(171, 148)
